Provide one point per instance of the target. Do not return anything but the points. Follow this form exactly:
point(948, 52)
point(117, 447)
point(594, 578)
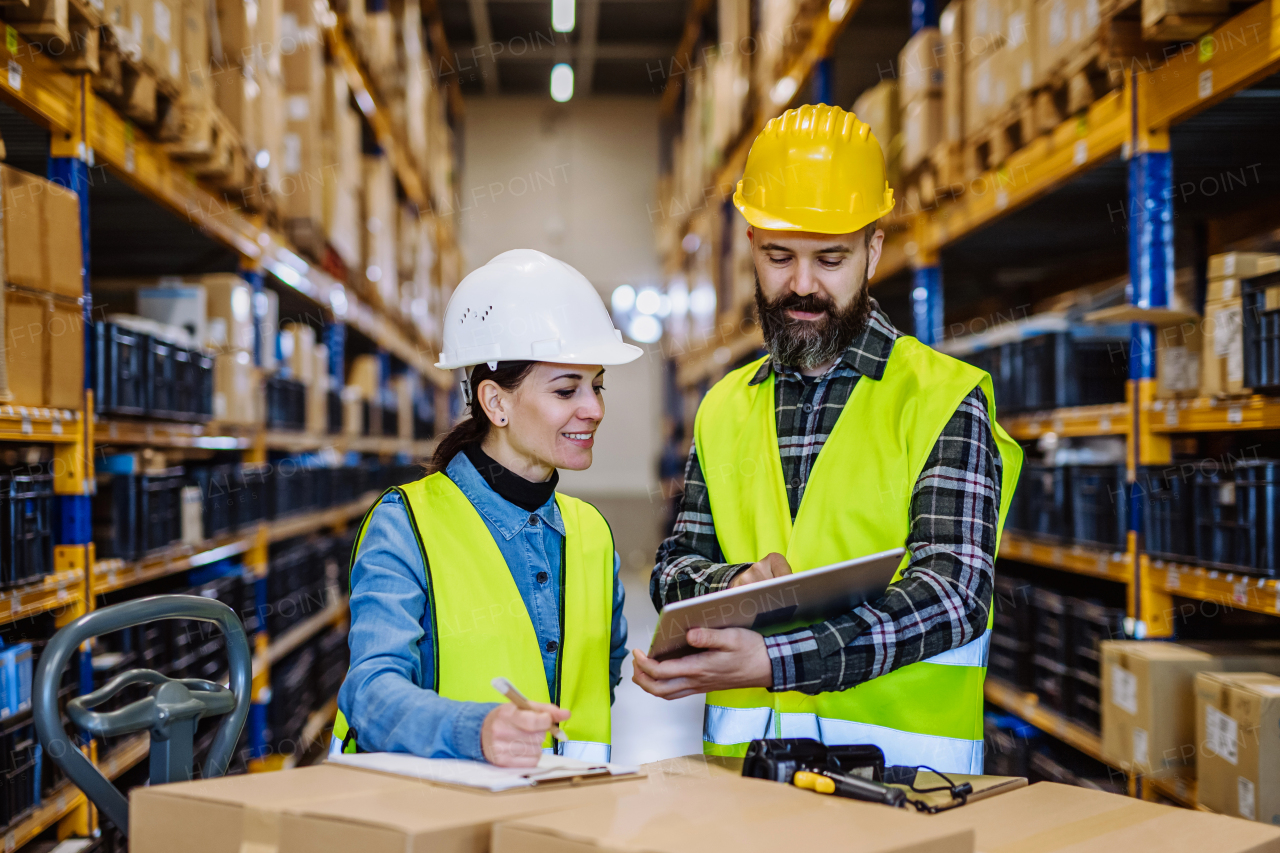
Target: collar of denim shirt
point(507, 518)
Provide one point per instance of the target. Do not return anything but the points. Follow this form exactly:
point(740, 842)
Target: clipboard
point(799, 598)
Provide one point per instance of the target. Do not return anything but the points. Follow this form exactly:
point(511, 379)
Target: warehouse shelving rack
point(86, 132)
point(1133, 124)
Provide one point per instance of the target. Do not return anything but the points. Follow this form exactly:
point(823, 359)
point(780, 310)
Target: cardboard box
point(1047, 817)
point(26, 336)
point(157, 25)
point(983, 28)
point(878, 107)
point(229, 309)
point(66, 355)
point(719, 812)
point(1061, 28)
point(62, 244)
point(1148, 698)
point(237, 26)
point(920, 72)
point(381, 268)
point(1015, 61)
point(236, 93)
point(1241, 265)
point(950, 24)
point(366, 375)
point(23, 227)
point(1222, 353)
point(341, 148)
point(1178, 353)
point(980, 93)
point(195, 53)
point(1154, 13)
point(238, 396)
point(176, 303)
point(1238, 734)
point(299, 351)
point(921, 130)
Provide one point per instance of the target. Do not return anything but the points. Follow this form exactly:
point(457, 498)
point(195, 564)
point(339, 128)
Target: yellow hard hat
point(814, 168)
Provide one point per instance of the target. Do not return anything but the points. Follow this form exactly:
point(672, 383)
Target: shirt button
point(552, 645)
point(533, 520)
point(543, 577)
point(808, 407)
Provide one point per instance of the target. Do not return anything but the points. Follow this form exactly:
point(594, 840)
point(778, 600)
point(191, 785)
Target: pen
point(506, 688)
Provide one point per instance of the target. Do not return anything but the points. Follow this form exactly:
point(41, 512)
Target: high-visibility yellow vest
point(481, 628)
point(857, 502)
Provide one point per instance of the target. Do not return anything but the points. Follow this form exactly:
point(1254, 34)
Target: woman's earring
point(502, 422)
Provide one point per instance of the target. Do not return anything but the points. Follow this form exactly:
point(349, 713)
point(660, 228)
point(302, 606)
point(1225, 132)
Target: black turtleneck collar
point(526, 494)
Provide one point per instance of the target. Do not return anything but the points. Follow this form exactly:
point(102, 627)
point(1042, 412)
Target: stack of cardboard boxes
point(303, 167)
point(1199, 717)
point(381, 220)
point(42, 359)
point(1222, 354)
point(920, 84)
point(344, 171)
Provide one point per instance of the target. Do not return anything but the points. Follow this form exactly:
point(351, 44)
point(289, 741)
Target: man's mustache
point(809, 304)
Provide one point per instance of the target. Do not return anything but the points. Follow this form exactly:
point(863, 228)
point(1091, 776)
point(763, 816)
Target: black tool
point(779, 759)
point(850, 787)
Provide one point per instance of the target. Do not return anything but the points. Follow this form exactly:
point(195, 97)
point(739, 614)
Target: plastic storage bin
point(1236, 516)
point(119, 378)
point(1099, 505)
point(1168, 511)
point(26, 527)
point(1261, 335)
point(1046, 508)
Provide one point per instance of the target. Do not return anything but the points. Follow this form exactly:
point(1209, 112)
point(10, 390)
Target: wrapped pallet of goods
point(303, 167)
point(999, 118)
point(340, 147)
point(947, 156)
point(380, 222)
point(920, 84)
point(270, 155)
point(878, 107)
point(417, 82)
point(42, 358)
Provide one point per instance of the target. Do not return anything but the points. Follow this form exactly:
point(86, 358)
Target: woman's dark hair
point(473, 429)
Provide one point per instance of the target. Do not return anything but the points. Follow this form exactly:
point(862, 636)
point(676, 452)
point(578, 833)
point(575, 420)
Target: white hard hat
point(527, 306)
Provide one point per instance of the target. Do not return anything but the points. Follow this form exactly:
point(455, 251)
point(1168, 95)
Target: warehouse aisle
point(645, 728)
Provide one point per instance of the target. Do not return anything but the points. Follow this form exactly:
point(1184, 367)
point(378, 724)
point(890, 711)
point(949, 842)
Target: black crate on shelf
point(293, 698)
point(1168, 512)
point(26, 527)
point(1236, 514)
point(332, 658)
point(424, 415)
point(1052, 657)
point(115, 516)
point(1045, 493)
point(159, 509)
point(333, 412)
point(1090, 624)
point(249, 494)
point(119, 378)
point(1010, 661)
point(1099, 505)
point(1261, 335)
point(1007, 743)
point(286, 404)
point(288, 488)
point(193, 388)
point(18, 753)
point(1073, 368)
point(217, 499)
point(160, 370)
point(1086, 699)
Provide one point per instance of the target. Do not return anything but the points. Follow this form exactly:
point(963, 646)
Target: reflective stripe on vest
point(481, 628)
point(857, 501)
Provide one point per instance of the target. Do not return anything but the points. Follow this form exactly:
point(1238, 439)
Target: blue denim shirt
point(392, 656)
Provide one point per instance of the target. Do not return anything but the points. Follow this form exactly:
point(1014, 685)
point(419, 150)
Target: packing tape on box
point(1080, 831)
point(260, 831)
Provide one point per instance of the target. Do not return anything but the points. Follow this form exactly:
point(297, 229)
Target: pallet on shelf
point(67, 30)
point(1011, 130)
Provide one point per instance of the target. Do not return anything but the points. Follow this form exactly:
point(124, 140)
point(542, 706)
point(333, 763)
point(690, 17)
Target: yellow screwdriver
point(850, 787)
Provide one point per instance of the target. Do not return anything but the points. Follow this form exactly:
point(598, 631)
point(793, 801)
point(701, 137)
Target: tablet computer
point(802, 597)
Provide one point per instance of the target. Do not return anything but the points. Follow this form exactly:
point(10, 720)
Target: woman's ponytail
point(473, 429)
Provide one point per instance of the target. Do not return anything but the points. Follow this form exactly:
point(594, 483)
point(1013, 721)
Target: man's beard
point(806, 344)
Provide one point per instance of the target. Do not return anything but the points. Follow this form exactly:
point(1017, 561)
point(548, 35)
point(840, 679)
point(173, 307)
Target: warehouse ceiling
point(507, 47)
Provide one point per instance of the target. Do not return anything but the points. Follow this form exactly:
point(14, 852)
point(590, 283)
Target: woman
point(480, 569)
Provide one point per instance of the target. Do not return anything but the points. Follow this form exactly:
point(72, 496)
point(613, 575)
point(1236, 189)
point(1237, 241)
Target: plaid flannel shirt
point(942, 599)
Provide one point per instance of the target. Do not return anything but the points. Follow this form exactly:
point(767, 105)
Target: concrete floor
point(645, 728)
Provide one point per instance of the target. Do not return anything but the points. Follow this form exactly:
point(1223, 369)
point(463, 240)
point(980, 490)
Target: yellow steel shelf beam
point(1094, 562)
point(64, 589)
point(19, 423)
point(1230, 590)
point(1206, 414)
point(1028, 707)
point(1236, 55)
point(1081, 421)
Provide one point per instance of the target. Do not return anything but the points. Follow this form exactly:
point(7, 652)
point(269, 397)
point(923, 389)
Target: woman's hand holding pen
point(511, 737)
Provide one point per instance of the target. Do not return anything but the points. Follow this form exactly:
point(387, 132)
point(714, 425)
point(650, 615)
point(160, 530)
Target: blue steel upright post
point(1151, 275)
point(926, 279)
point(68, 167)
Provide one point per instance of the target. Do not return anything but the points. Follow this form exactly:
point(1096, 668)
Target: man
point(848, 439)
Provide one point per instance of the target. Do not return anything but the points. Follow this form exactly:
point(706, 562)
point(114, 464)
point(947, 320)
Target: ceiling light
point(624, 298)
point(648, 301)
point(645, 328)
point(562, 16)
point(561, 82)
point(783, 90)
